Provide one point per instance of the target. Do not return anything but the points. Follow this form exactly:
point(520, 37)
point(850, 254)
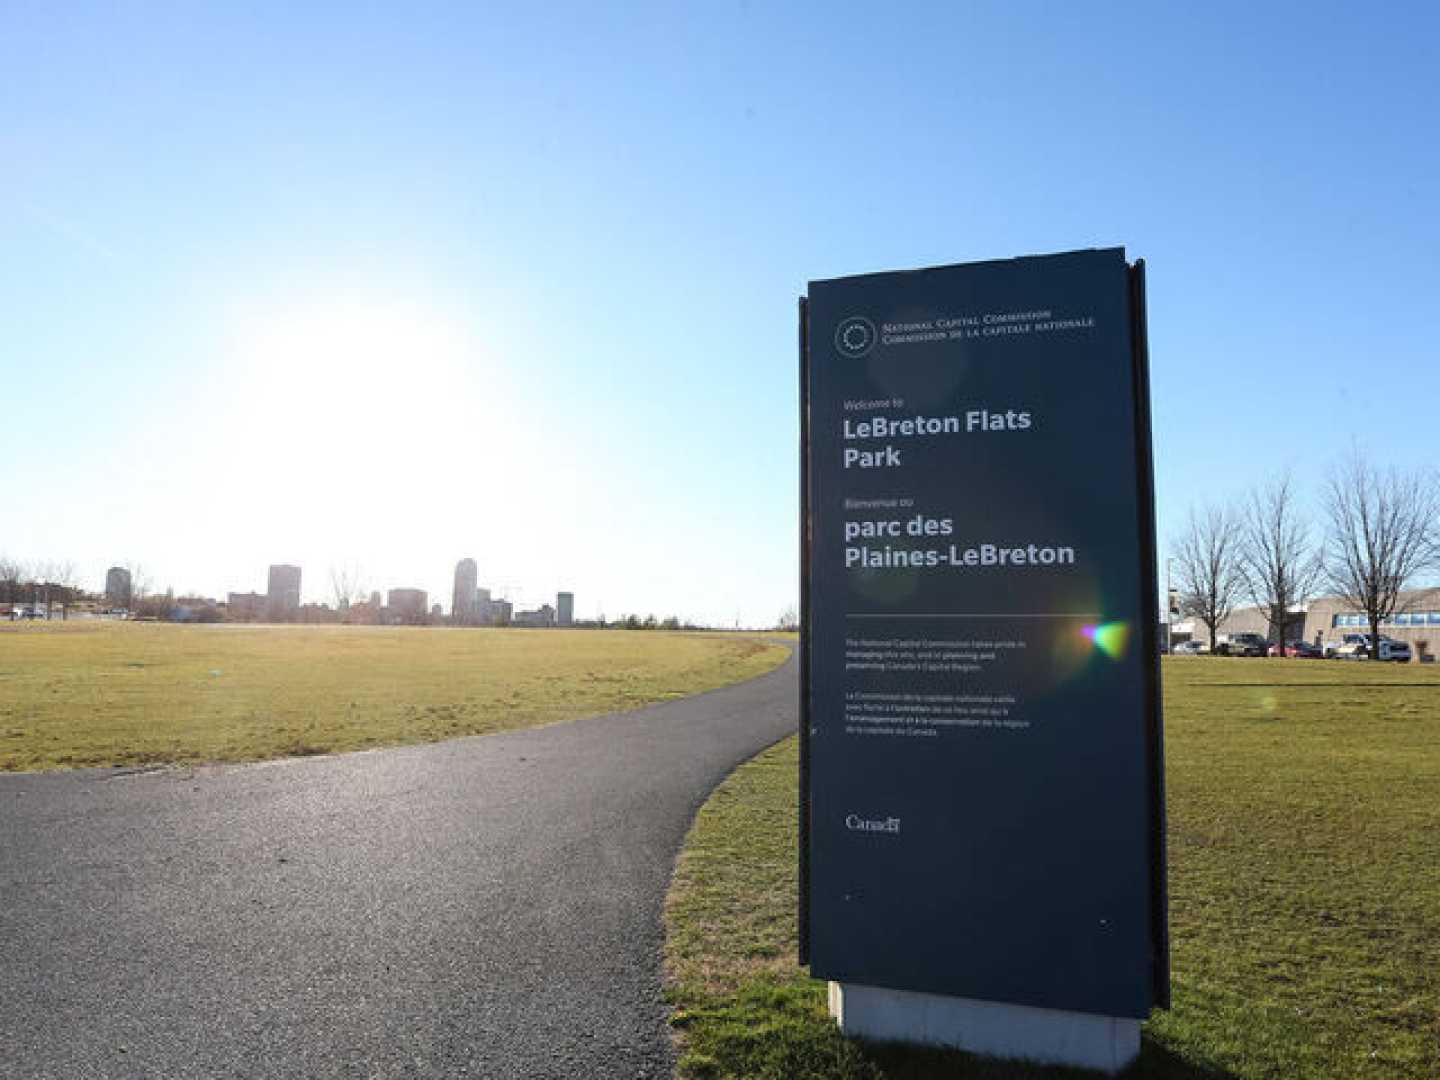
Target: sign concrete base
point(1051, 1036)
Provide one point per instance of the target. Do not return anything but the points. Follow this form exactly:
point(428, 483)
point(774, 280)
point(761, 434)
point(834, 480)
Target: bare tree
point(1278, 561)
point(789, 620)
point(53, 585)
point(139, 580)
point(12, 575)
point(1207, 561)
point(59, 572)
point(347, 584)
point(1383, 534)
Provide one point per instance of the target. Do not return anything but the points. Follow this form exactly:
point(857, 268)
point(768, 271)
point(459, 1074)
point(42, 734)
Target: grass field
point(1304, 854)
point(109, 693)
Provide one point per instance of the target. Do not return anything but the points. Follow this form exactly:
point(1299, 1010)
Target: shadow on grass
point(780, 1029)
point(895, 1062)
point(1160, 1061)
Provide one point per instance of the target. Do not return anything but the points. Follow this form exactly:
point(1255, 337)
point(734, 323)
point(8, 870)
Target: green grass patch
point(1304, 851)
point(80, 694)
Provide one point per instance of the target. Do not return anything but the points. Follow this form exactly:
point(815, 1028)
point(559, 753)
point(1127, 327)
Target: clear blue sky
point(397, 284)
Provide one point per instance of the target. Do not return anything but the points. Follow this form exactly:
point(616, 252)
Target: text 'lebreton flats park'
point(973, 421)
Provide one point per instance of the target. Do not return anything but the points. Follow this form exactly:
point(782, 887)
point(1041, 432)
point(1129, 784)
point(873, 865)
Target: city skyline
point(52, 588)
point(309, 591)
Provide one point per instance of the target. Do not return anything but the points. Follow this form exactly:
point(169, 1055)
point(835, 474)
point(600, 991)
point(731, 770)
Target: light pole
point(1169, 605)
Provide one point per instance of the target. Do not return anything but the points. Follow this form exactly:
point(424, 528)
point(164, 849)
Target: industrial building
point(1328, 619)
point(565, 609)
point(1418, 619)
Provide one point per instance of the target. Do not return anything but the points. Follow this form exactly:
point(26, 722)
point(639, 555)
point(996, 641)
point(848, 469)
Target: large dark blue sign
point(983, 805)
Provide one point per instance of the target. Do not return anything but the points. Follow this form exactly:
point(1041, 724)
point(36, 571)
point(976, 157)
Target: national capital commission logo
point(855, 337)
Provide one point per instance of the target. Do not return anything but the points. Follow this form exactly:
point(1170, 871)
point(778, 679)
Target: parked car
point(1364, 646)
point(1243, 645)
point(1303, 650)
point(1190, 648)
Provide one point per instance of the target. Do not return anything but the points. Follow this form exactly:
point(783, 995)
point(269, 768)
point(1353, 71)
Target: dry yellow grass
point(79, 694)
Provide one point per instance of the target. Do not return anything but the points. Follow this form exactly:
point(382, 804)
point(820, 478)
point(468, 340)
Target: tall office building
point(283, 592)
point(463, 604)
point(565, 609)
point(117, 587)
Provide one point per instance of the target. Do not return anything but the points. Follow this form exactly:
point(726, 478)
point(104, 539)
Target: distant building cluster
point(472, 605)
point(280, 602)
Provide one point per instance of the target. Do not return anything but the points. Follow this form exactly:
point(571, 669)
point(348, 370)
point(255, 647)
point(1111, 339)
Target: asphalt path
point(487, 906)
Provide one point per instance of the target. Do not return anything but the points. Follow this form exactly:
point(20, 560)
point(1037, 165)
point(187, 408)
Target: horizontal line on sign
point(981, 615)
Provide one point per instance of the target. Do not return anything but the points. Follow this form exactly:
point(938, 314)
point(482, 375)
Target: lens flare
point(1111, 638)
